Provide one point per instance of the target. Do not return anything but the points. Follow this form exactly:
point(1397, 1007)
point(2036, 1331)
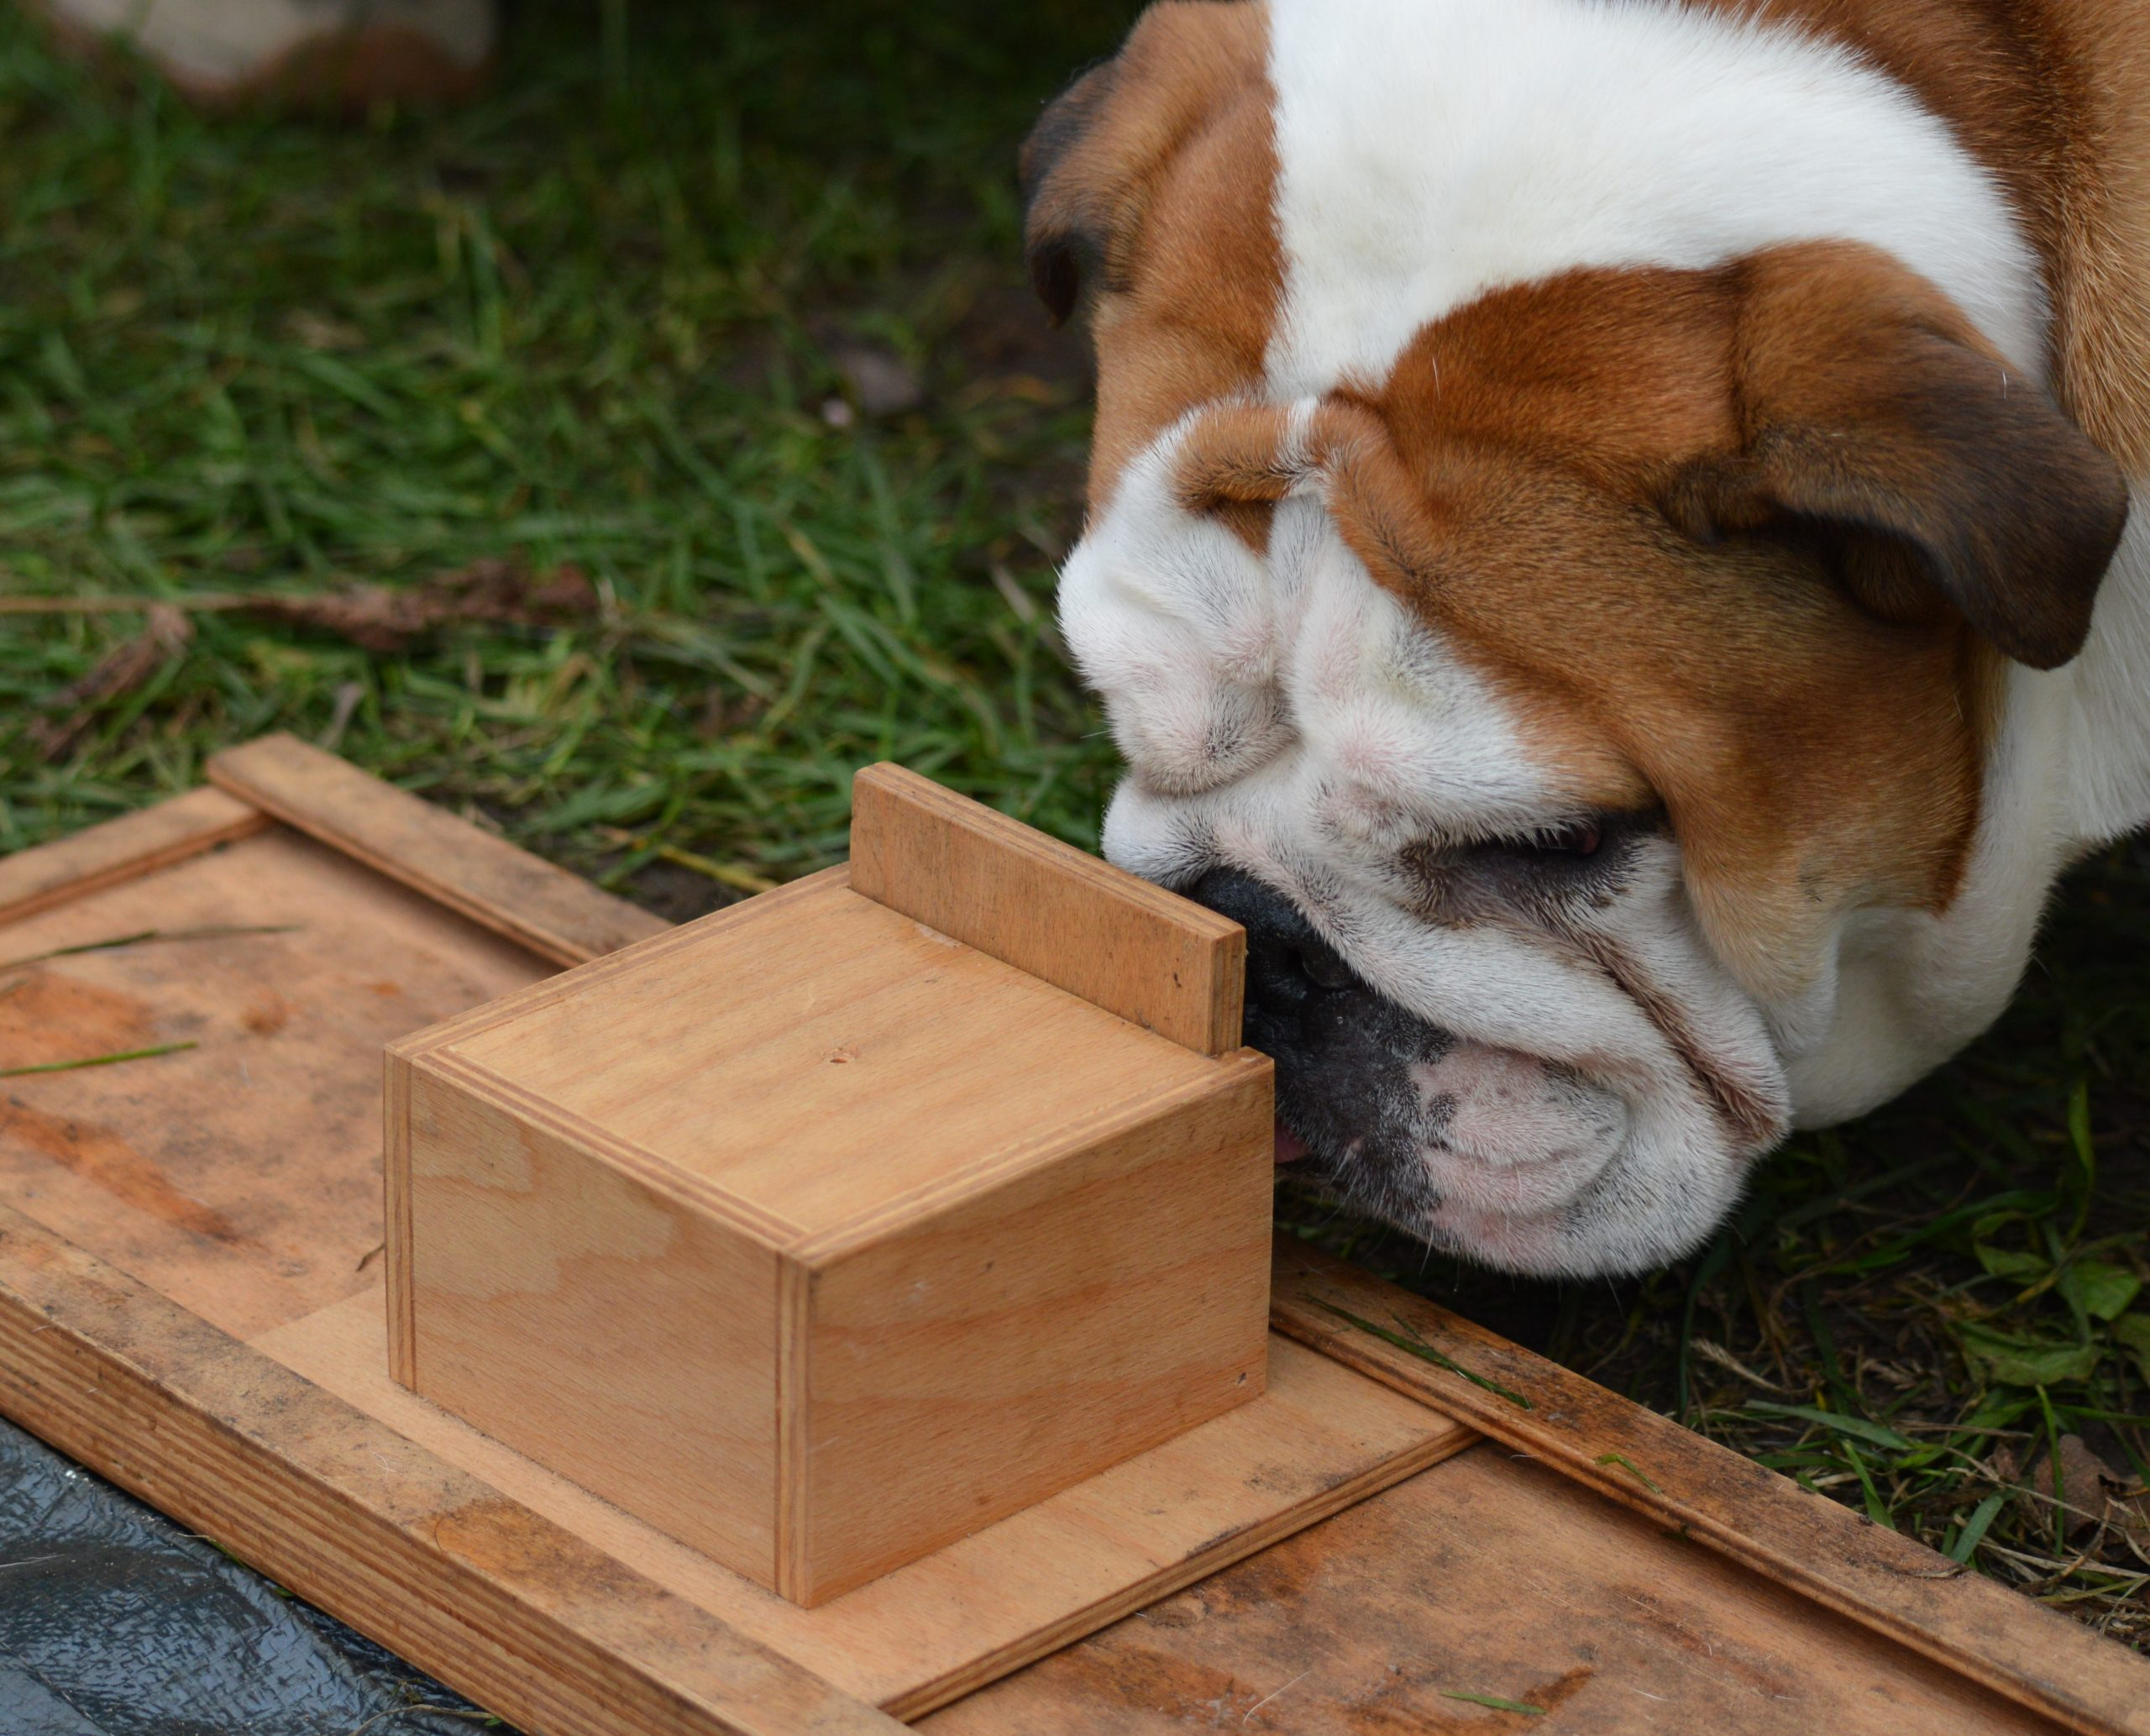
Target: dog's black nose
point(1293, 976)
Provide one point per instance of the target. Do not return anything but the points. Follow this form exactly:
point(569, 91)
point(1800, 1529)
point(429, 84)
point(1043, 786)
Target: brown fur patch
point(1814, 755)
point(2053, 98)
point(1817, 750)
point(1153, 178)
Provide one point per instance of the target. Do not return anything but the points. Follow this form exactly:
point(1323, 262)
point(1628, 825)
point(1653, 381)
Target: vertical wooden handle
point(1068, 918)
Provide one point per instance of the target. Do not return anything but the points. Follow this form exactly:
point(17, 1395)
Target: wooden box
point(829, 1229)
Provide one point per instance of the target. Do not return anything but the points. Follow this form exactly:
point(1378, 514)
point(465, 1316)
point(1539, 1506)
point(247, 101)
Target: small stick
point(214, 601)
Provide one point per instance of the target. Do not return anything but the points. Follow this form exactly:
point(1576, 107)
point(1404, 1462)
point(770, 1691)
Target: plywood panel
point(242, 1178)
point(766, 1057)
point(1066, 918)
point(1489, 1579)
point(33, 880)
point(626, 1340)
point(964, 1364)
point(522, 1616)
point(1890, 1583)
point(923, 1633)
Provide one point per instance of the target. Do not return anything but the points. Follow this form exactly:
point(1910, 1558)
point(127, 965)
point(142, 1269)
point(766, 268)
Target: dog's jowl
point(1609, 552)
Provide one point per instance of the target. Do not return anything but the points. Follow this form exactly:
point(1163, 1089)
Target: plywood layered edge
point(1838, 1559)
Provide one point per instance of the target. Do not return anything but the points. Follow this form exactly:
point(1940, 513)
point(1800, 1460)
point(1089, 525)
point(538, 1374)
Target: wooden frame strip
point(1153, 958)
point(556, 914)
point(122, 849)
point(522, 1616)
point(1973, 1626)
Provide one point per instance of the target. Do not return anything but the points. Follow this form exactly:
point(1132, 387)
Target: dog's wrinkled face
point(1551, 691)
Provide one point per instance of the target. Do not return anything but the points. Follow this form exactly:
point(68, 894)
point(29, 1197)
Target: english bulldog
point(1608, 551)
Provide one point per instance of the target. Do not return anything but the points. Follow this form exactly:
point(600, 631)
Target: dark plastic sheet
point(115, 1622)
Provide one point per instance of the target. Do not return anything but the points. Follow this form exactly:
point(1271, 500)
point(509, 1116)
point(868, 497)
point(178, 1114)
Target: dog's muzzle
point(1405, 1120)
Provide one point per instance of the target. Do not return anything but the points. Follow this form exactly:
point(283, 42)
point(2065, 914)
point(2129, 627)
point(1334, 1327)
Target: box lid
point(821, 1056)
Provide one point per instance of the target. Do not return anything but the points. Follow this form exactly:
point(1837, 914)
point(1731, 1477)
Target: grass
point(608, 319)
point(598, 318)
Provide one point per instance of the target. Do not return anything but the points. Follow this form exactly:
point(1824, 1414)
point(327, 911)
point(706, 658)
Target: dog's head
point(1552, 642)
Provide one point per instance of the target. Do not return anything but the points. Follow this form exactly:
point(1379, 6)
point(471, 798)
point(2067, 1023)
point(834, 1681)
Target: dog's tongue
point(1290, 1147)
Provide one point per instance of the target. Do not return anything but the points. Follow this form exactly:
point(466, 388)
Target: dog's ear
point(1088, 168)
point(1881, 429)
point(1062, 235)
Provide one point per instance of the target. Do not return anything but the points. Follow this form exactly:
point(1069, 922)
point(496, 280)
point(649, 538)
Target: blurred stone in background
point(334, 54)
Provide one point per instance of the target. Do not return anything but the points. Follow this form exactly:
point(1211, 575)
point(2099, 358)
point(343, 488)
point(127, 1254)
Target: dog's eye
point(1581, 839)
point(1576, 842)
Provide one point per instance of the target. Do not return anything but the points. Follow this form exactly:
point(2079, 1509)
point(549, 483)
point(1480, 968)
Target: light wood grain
point(564, 1307)
point(1065, 918)
point(966, 1363)
point(989, 1237)
point(1320, 1438)
point(768, 1047)
point(552, 912)
point(122, 849)
point(1876, 1577)
point(241, 1176)
point(1492, 1577)
point(463, 1580)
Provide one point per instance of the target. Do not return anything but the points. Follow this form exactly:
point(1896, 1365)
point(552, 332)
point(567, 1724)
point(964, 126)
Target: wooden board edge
point(915, 1207)
point(1972, 1626)
point(557, 914)
point(795, 1514)
point(1221, 1553)
point(124, 849)
point(602, 1146)
point(1205, 953)
point(670, 938)
point(399, 1256)
point(519, 1615)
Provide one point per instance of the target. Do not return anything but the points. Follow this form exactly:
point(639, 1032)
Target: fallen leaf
point(2103, 1289)
point(2091, 1492)
point(2015, 1361)
point(2017, 1268)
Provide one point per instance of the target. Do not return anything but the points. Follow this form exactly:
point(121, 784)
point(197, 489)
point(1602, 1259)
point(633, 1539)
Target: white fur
point(1430, 151)
point(1286, 716)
